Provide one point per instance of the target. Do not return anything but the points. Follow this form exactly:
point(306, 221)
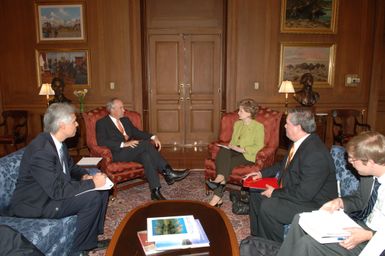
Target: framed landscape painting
point(60, 22)
point(70, 65)
point(300, 58)
point(309, 16)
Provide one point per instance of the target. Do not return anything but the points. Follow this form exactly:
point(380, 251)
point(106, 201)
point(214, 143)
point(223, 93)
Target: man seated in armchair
point(306, 176)
point(49, 183)
point(129, 144)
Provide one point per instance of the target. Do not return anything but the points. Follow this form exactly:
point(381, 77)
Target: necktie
point(62, 160)
point(363, 214)
point(121, 129)
point(289, 158)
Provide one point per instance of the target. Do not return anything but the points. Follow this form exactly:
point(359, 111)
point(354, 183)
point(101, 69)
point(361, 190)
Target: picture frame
point(317, 59)
point(315, 16)
point(73, 66)
point(60, 22)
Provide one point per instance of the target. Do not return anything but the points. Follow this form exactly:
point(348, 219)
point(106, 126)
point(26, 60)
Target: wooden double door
point(184, 79)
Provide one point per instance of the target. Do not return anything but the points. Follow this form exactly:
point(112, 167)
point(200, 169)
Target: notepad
point(260, 183)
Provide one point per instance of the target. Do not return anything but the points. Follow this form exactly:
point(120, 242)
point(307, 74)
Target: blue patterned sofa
point(50, 236)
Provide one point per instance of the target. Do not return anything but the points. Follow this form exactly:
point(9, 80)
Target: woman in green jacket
point(247, 139)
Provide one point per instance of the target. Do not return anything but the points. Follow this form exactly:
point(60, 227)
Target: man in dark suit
point(127, 143)
point(366, 152)
point(306, 175)
point(49, 182)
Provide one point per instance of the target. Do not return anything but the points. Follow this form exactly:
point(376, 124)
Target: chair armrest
point(365, 126)
point(103, 152)
point(265, 157)
point(214, 149)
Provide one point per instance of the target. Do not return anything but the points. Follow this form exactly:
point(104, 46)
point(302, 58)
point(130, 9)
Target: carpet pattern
point(191, 188)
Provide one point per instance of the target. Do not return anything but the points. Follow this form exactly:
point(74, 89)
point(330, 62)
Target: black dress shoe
point(156, 195)
point(212, 184)
point(171, 176)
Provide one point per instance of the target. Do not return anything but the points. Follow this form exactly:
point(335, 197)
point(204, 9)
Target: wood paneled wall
point(252, 54)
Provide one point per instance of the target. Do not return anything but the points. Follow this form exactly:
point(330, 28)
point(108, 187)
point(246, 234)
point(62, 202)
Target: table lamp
point(286, 87)
point(46, 89)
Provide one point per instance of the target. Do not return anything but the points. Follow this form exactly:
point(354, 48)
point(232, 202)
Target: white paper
point(89, 161)
point(375, 246)
point(223, 146)
point(108, 185)
point(326, 227)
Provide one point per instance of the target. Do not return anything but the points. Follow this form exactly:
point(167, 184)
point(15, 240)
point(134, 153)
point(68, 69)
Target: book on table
point(196, 239)
point(171, 227)
point(260, 183)
point(326, 227)
point(200, 241)
point(148, 247)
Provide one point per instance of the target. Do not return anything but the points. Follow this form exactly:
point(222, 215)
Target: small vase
point(81, 107)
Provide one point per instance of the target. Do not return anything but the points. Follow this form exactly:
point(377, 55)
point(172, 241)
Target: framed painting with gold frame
point(73, 66)
point(315, 16)
point(314, 58)
point(60, 22)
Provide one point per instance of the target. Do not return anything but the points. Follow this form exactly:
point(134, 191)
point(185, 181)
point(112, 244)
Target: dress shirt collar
point(58, 144)
point(299, 142)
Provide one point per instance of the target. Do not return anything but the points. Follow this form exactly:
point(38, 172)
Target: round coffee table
point(217, 226)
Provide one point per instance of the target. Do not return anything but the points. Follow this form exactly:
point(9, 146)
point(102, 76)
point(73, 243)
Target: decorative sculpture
point(57, 85)
point(306, 96)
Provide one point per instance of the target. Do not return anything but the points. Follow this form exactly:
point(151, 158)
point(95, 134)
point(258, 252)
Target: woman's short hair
point(250, 106)
point(366, 146)
point(303, 117)
point(57, 113)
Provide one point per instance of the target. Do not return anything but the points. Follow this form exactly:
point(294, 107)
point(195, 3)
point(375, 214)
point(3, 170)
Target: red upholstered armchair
point(270, 120)
point(118, 172)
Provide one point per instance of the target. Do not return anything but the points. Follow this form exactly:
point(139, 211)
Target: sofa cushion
point(50, 236)
point(347, 176)
point(9, 171)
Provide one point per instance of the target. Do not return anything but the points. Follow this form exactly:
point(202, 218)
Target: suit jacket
point(107, 134)
point(42, 184)
point(359, 200)
point(310, 177)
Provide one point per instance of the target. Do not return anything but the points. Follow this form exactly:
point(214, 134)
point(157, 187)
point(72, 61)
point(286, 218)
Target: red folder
point(260, 183)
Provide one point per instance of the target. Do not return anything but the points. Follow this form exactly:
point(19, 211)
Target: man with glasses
point(366, 152)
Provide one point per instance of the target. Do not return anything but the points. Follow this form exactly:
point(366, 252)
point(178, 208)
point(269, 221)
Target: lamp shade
point(46, 89)
point(286, 87)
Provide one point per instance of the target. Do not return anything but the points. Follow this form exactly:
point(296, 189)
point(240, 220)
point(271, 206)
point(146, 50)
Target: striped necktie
point(289, 158)
point(363, 214)
point(62, 158)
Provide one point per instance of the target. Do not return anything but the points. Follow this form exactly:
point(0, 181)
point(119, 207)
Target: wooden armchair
point(14, 128)
point(118, 172)
point(270, 120)
point(346, 125)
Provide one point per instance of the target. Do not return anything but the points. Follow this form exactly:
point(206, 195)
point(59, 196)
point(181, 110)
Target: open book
point(326, 227)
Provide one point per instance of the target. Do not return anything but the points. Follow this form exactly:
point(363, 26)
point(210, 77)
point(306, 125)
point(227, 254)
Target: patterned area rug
point(191, 188)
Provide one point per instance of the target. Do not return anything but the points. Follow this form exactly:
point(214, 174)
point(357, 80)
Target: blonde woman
point(247, 139)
